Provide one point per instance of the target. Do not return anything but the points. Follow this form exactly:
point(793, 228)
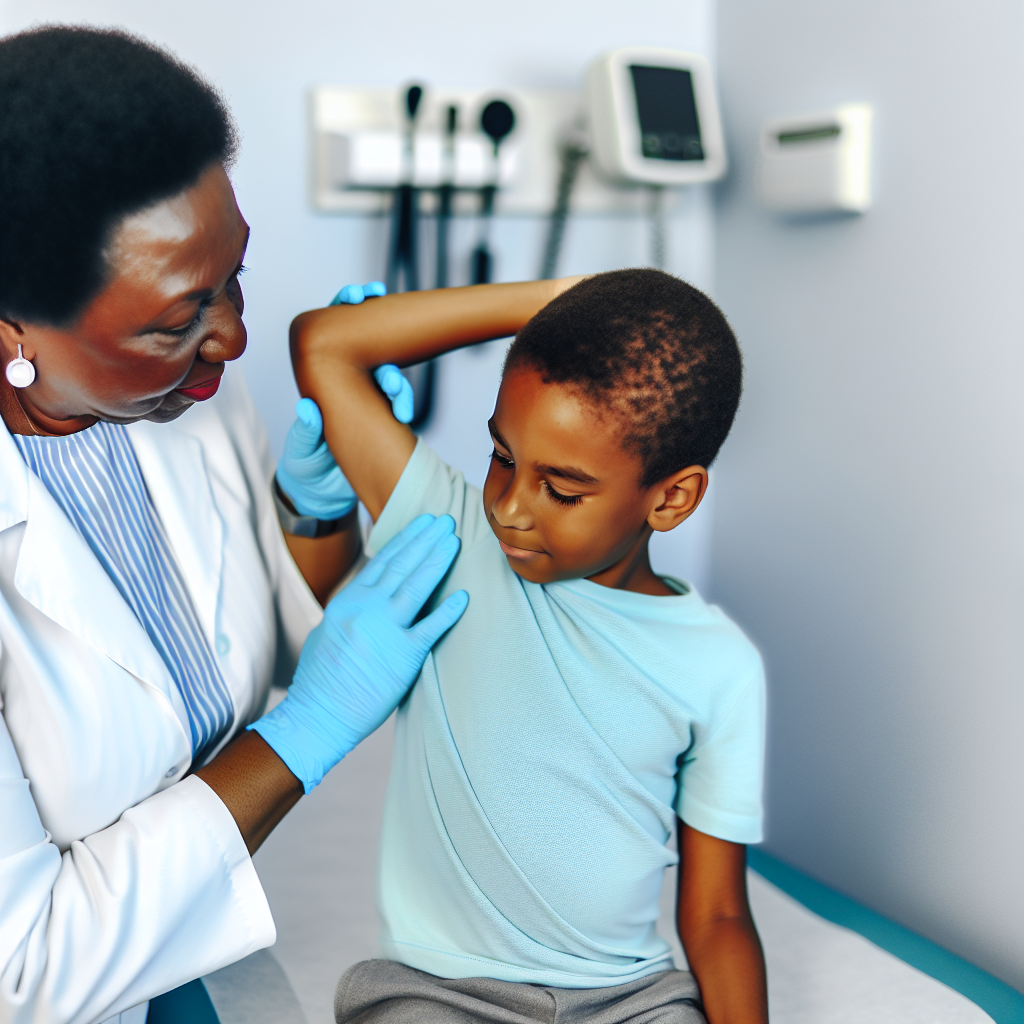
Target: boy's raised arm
point(335, 350)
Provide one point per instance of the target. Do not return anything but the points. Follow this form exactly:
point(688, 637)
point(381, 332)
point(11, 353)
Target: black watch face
point(667, 109)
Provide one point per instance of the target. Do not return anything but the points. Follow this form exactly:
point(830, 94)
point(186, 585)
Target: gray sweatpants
point(384, 992)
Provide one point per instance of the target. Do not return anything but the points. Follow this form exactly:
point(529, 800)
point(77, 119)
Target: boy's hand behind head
point(616, 397)
point(564, 497)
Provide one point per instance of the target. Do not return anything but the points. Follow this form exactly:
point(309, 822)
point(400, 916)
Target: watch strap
point(298, 525)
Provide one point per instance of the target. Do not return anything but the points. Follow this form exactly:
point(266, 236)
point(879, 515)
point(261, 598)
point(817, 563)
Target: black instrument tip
point(412, 100)
point(497, 120)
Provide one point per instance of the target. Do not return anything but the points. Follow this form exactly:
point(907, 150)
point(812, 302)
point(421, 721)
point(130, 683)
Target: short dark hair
point(654, 350)
point(94, 125)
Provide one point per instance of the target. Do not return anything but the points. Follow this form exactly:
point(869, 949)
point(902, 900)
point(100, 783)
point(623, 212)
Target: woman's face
point(157, 337)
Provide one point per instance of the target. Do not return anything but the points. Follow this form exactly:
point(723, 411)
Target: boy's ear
point(676, 497)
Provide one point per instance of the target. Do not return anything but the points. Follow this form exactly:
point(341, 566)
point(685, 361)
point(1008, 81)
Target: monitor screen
point(669, 129)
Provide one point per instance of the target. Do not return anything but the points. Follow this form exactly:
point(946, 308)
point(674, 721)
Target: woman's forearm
point(254, 784)
point(324, 561)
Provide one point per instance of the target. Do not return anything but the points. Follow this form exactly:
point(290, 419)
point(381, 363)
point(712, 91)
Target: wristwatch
point(298, 525)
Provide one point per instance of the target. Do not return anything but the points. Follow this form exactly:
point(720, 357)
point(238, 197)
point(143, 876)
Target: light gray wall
point(870, 503)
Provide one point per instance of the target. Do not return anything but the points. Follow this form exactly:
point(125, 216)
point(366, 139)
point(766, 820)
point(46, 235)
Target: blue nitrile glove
point(353, 294)
point(359, 663)
point(307, 472)
point(392, 382)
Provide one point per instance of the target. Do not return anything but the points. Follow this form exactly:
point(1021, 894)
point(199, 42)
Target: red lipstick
point(201, 392)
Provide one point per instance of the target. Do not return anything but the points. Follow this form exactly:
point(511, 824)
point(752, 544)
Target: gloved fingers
point(421, 550)
point(393, 383)
point(403, 404)
point(428, 631)
point(374, 569)
point(389, 378)
point(307, 413)
point(412, 592)
point(353, 294)
point(350, 295)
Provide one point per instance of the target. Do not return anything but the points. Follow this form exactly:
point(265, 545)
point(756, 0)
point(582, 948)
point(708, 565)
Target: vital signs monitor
point(653, 117)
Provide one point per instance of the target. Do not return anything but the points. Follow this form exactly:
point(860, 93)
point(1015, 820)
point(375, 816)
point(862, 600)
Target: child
point(583, 700)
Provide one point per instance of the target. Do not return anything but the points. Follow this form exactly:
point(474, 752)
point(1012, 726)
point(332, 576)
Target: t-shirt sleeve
point(721, 777)
point(429, 485)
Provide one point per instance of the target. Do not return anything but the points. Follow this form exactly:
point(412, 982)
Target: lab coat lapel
point(60, 576)
point(174, 467)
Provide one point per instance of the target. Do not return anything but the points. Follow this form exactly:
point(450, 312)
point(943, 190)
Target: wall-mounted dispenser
point(817, 163)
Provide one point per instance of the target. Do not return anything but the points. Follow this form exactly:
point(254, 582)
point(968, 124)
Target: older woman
point(147, 592)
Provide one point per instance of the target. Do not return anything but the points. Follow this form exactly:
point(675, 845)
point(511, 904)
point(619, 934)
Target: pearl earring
point(20, 371)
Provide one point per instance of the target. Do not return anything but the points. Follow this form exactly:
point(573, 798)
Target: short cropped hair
point(94, 125)
point(655, 351)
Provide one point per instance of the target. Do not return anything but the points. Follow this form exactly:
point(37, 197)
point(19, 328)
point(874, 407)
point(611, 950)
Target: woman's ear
point(676, 497)
point(11, 334)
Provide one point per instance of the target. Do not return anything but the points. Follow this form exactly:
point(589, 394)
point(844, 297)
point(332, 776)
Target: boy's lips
point(201, 392)
point(521, 553)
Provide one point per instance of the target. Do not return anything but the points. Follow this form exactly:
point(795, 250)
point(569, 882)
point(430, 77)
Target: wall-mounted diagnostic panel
point(359, 136)
point(653, 117)
point(817, 163)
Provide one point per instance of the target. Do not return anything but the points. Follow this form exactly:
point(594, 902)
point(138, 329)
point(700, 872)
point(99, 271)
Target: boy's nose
point(510, 510)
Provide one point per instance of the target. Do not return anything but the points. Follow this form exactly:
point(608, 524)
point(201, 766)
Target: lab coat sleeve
point(166, 894)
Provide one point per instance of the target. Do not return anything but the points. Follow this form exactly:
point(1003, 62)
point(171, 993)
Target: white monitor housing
point(818, 162)
point(653, 117)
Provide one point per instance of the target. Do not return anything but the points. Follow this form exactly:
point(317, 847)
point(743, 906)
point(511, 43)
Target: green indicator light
point(810, 134)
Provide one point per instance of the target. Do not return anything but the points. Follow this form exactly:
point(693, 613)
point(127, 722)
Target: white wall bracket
point(358, 136)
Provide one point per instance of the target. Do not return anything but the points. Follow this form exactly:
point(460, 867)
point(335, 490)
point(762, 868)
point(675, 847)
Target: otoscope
point(444, 197)
point(497, 120)
point(402, 257)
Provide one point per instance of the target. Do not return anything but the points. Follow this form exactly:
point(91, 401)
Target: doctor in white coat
point(148, 594)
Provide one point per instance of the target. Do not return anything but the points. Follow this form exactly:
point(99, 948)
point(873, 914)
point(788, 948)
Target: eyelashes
point(563, 499)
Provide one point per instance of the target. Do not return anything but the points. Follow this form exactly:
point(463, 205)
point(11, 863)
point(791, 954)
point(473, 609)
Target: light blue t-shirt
point(542, 756)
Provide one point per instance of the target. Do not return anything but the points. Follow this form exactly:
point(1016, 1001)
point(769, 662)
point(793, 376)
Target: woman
point(148, 594)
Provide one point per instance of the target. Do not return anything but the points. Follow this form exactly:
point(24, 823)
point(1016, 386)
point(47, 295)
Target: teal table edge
point(1004, 1004)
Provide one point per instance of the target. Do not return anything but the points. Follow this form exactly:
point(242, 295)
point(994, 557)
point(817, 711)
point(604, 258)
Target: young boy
point(582, 701)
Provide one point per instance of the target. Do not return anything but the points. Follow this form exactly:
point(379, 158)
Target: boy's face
point(561, 495)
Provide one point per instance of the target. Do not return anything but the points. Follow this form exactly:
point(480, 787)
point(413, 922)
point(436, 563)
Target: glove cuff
point(306, 756)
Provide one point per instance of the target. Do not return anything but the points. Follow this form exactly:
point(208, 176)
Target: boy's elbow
point(314, 348)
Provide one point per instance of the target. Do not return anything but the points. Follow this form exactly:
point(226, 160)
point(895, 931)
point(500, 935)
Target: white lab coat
point(117, 880)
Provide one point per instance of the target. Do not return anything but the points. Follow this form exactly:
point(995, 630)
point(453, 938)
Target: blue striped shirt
point(95, 478)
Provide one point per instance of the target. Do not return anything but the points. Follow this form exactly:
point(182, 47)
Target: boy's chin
point(545, 572)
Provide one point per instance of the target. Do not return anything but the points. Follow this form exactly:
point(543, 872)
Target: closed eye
point(187, 329)
point(563, 499)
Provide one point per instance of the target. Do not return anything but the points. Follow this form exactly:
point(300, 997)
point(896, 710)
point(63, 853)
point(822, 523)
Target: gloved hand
point(358, 664)
point(307, 472)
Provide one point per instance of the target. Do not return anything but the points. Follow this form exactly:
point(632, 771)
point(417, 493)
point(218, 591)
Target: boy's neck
point(634, 573)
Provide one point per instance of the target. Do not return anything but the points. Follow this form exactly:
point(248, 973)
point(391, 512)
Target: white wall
point(871, 500)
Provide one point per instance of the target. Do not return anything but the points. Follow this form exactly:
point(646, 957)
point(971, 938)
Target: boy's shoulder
point(429, 484)
point(683, 638)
